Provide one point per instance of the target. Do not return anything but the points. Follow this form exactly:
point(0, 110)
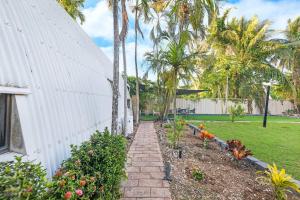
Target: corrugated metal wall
point(215, 106)
point(43, 49)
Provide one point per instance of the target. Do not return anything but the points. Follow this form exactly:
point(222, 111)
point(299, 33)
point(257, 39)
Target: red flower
point(68, 195)
point(79, 192)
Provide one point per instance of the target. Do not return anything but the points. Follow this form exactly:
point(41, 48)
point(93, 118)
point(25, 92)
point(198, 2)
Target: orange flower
point(206, 135)
point(201, 126)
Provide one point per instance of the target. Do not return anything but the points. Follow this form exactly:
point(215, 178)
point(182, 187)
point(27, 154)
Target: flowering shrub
point(71, 185)
point(94, 171)
point(22, 180)
point(206, 135)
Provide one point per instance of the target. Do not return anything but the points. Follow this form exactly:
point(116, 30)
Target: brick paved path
point(145, 167)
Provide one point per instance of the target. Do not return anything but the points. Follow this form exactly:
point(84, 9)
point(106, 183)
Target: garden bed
point(224, 178)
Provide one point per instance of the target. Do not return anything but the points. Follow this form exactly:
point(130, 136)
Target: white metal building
point(54, 88)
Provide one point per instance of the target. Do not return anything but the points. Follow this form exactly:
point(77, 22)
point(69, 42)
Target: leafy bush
point(22, 180)
point(197, 175)
point(280, 181)
point(94, 171)
point(236, 111)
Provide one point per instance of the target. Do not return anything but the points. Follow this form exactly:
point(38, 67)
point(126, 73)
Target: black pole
point(266, 108)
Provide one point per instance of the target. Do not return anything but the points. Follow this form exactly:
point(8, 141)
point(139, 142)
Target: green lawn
point(244, 118)
point(279, 142)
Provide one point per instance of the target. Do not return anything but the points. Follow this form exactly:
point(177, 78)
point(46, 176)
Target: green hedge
point(94, 171)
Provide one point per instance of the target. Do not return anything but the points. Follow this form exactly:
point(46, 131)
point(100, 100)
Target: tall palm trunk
point(136, 69)
point(114, 123)
point(125, 86)
point(174, 102)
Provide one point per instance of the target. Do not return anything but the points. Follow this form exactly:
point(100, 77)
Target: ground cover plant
point(278, 143)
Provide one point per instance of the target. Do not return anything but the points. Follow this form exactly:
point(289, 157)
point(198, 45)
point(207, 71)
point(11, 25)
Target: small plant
point(236, 111)
point(238, 149)
point(22, 180)
point(206, 137)
point(280, 181)
point(174, 136)
point(197, 174)
point(167, 126)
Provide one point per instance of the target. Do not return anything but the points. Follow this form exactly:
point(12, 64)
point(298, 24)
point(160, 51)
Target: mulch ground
point(224, 177)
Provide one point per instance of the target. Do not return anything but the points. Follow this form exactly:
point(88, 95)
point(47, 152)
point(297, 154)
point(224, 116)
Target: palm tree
point(73, 8)
point(243, 50)
point(141, 9)
point(179, 65)
point(288, 56)
point(115, 103)
point(123, 35)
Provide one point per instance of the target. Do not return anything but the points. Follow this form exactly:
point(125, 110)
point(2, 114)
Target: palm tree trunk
point(125, 87)
point(136, 71)
point(174, 103)
point(114, 123)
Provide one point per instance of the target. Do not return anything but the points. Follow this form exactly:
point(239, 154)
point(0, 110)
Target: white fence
point(218, 106)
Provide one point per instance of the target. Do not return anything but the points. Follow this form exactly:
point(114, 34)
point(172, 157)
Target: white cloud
point(278, 12)
point(99, 21)
point(142, 49)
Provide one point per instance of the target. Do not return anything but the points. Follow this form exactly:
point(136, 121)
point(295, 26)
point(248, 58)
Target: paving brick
point(160, 192)
point(150, 183)
point(151, 169)
point(145, 168)
point(137, 192)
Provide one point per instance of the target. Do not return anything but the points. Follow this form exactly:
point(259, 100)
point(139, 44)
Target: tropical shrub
point(174, 136)
point(238, 149)
point(94, 170)
point(22, 180)
point(197, 174)
point(236, 111)
point(280, 181)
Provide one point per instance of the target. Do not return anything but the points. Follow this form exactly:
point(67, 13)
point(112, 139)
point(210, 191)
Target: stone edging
point(260, 164)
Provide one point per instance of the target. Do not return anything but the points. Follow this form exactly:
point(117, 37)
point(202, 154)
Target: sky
point(99, 24)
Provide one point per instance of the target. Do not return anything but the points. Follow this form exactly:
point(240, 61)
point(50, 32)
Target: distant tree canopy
point(73, 8)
